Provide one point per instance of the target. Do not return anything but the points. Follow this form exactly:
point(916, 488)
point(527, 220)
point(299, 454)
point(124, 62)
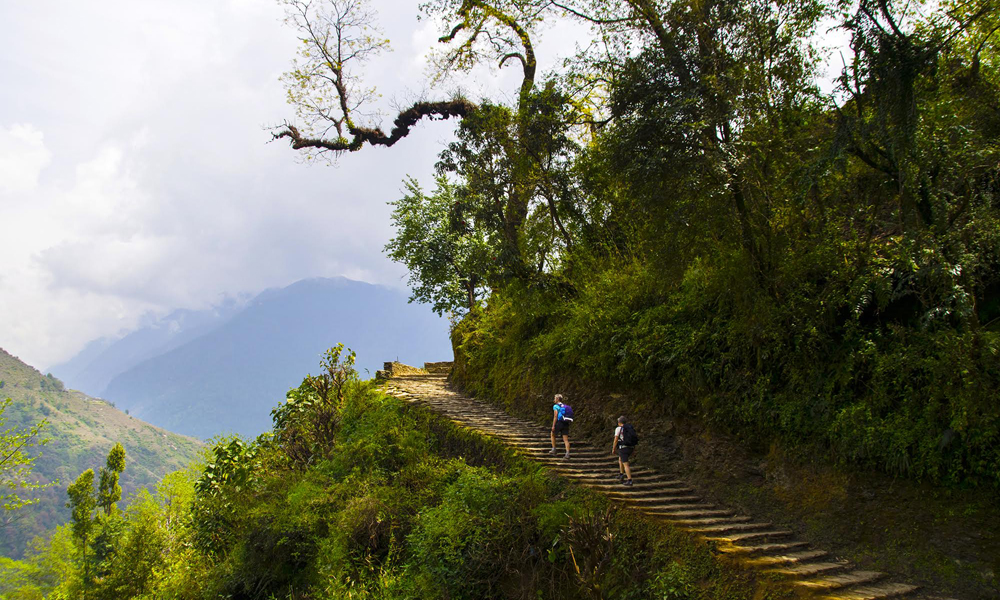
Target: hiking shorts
point(624, 452)
point(562, 427)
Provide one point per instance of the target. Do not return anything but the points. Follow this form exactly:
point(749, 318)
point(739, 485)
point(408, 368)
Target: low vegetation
point(355, 494)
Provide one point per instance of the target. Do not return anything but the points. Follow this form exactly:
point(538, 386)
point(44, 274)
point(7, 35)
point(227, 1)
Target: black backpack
point(629, 436)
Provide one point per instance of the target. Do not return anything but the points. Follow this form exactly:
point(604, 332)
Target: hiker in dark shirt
point(624, 433)
point(560, 424)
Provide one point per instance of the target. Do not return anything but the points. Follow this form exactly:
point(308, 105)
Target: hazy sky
point(136, 176)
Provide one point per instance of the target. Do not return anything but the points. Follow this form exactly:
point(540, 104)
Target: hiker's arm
point(555, 415)
point(614, 443)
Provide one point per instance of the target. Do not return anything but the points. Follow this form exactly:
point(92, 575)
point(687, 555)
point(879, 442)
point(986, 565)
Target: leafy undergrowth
point(358, 495)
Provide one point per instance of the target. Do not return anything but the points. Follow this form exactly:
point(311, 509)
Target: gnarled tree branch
point(404, 122)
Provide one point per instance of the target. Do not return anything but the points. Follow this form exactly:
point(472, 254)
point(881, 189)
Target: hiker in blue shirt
point(560, 424)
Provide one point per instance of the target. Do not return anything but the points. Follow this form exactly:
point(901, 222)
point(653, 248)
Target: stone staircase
point(811, 571)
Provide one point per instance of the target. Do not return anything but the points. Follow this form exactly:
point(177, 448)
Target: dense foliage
point(393, 502)
point(682, 212)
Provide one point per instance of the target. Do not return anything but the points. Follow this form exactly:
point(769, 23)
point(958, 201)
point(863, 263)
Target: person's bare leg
point(621, 469)
point(566, 441)
point(628, 471)
point(553, 434)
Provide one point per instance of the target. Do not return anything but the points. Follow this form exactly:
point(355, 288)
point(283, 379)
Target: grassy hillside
point(81, 431)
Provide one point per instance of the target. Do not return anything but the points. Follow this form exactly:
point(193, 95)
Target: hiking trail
point(812, 571)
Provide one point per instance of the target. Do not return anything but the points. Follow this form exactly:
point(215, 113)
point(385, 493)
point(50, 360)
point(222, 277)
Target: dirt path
point(811, 570)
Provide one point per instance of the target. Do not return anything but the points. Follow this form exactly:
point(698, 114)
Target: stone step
point(581, 456)
point(872, 592)
point(542, 447)
point(611, 484)
point(840, 580)
point(491, 424)
point(674, 508)
point(772, 548)
point(574, 448)
point(638, 486)
point(529, 446)
point(666, 511)
point(652, 501)
point(576, 451)
point(611, 470)
point(532, 444)
point(707, 520)
point(632, 491)
point(538, 440)
point(809, 569)
point(716, 529)
point(787, 559)
point(569, 466)
point(599, 474)
point(749, 535)
point(576, 458)
point(492, 415)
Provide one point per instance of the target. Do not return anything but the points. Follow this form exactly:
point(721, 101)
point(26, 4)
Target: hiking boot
point(566, 456)
point(627, 482)
point(552, 451)
point(621, 477)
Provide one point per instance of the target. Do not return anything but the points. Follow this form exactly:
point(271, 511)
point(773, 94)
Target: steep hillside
point(81, 431)
point(229, 379)
point(101, 360)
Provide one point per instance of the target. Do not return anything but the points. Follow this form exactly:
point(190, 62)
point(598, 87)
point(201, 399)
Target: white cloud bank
point(23, 155)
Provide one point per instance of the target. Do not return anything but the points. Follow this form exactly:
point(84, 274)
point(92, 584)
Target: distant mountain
point(230, 378)
point(101, 360)
point(81, 431)
point(72, 369)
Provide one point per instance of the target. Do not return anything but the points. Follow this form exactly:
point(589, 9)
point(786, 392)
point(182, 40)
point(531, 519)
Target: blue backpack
point(567, 412)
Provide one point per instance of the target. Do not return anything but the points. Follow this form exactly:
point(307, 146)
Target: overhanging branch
point(402, 125)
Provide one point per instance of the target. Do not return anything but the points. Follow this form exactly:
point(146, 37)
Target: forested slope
point(80, 432)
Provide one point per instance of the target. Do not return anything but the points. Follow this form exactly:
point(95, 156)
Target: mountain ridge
point(93, 368)
point(229, 379)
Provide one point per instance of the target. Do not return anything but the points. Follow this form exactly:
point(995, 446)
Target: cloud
point(23, 155)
